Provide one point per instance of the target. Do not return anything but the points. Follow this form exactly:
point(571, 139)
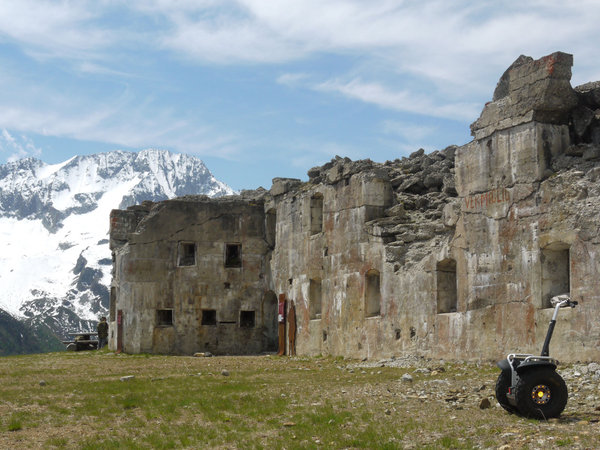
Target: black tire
point(541, 393)
point(502, 385)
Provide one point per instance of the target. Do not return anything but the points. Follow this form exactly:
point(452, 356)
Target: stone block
point(531, 90)
point(283, 185)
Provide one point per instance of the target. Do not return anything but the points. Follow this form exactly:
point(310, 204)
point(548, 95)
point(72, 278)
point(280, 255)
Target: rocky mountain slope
point(54, 219)
point(17, 337)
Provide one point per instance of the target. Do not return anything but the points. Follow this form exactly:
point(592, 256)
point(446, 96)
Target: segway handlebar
point(559, 301)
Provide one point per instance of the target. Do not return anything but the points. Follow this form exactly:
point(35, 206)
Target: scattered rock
point(127, 378)
point(485, 403)
point(225, 372)
point(407, 378)
point(593, 367)
point(581, 117)
point(42, 383)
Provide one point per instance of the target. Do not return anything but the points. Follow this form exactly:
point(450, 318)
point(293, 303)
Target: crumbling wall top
point(283, 185)
point(529, 90)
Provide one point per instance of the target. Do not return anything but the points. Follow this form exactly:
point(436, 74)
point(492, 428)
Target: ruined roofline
point(529, 90)
point(339, 169)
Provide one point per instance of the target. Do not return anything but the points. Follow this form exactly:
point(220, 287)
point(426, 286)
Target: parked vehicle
point(82, 341)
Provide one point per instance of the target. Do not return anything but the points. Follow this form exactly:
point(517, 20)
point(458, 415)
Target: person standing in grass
point(102, 329)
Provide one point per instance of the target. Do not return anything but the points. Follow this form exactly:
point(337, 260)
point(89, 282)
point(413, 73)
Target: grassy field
point(78, 400)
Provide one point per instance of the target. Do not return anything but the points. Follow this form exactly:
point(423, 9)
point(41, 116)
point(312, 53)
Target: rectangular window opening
point(372, 294)
point(209, 317)
point(316, 214)
point(556, 276)
point(247, 319)
point(164, 317)
point(447, 292)
point(233, 255)
point(187, 254)
point(315, 299)
point(271, 225)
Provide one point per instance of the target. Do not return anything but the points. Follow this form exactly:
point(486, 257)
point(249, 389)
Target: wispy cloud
point(429, 57)
point(56, 29)
point(17, 147)
point(399, 100)
point(292, 79)
point(120, 121)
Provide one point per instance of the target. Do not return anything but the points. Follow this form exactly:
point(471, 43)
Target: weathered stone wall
point(517, 225)
point(452, 254)
point(175, 290)
point(517, 214)
point(337, 256)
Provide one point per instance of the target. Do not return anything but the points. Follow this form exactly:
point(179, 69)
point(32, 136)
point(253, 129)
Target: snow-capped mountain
point(55, 262)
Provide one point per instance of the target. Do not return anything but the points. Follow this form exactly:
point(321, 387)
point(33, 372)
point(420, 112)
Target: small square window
point(164, 317)
point(233, 255)
point(247, 319)
point(187, 254)
point(209, 317)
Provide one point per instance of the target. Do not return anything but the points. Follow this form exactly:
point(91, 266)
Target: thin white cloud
point(122, 123)
point(55, 28)
point(87, 67)
point(17, 147)
point(398, 100)
point(292, 79)
point(439, 35)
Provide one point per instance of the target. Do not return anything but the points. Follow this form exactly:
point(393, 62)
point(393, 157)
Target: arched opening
point(447, 295)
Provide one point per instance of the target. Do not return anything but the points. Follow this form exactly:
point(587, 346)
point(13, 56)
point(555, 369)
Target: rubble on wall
point(424, 188)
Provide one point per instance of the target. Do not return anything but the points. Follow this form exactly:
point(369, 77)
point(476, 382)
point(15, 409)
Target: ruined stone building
point(452, 254)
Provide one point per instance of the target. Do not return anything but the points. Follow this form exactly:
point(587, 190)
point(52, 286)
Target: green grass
point(266, 402)
point(15, 423)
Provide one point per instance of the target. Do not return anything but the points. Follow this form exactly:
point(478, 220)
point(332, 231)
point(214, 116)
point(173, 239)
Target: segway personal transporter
point(528, 384)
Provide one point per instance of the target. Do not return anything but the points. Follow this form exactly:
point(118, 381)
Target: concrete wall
point(338, 257)
point(152, 281)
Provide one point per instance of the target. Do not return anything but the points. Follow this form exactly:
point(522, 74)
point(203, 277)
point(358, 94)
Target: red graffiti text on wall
point(479, 201)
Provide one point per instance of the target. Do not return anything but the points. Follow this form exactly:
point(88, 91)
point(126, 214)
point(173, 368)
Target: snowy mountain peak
point(54, 222)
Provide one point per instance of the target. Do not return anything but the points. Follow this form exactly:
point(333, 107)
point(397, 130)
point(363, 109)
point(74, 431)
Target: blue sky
point(266, 88)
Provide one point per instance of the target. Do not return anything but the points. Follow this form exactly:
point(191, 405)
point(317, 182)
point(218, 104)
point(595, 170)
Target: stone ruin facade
point(452, 254)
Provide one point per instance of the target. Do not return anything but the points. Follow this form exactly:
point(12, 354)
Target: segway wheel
point(541, 393)
point(502, 385)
